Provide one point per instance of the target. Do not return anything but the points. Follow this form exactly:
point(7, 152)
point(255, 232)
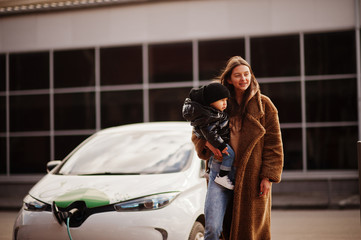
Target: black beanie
point(214, 92)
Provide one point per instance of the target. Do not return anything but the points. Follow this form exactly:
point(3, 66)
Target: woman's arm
point(204, 149)
point(272, 156)
point(217, 153)
point(200, 146)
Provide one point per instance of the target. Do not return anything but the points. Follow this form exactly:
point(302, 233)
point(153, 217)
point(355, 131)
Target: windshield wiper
point(108, 173)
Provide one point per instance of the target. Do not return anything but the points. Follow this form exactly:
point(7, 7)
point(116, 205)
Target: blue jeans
point(217, 199)
point(227, 160)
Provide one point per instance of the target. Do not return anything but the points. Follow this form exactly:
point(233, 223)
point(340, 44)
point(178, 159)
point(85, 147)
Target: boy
point(205, 110)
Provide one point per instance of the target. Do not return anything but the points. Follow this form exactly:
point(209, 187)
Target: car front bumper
point(173, 222)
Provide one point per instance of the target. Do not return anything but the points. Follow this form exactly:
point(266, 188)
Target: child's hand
point(216, 152)
point(225, 151)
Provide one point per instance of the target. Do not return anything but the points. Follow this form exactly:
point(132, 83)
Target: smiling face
point(240, 78)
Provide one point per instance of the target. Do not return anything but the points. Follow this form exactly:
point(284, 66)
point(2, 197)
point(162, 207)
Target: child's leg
point(225, 168)
point(227, 162)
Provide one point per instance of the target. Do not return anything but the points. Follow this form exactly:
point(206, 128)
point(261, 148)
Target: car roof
point(150, 126)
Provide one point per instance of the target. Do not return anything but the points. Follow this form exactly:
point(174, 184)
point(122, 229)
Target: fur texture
point(259, 154)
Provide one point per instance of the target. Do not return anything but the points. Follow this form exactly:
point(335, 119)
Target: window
point(65, 144)
point(29, 71)
point(277, 56)
point(287, 99)
point(121, 65)
point(292, 147)
point(74, 111)
point(330, 53)
point(213, 56)
point(121, 107)
point(166, 104)
point(34, 154)
point(74, 68)
point(326, 100)
point(170, 62)
point(332, 148)
point(134, 152)
point(2, 72)
point(329, 124)
point(29, 113)
point(2, 155)
point(2, 114)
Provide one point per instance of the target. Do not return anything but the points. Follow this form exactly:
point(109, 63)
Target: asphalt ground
point(286, 224)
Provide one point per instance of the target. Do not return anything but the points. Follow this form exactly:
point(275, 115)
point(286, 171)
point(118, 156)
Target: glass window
point(29, 70)
point(330, 53)
point(292, 146)
point(2, 114)
point(170, 62)
point(326, 100)
point(74, 111)
point(65, 144)
point(275, 56)
point(131, 152)
point(166, 104)
point(33, 157)
point(213, 56)
point(2, 155)
point(121, 65)
point(121, 107)
point(29, 113)
point(74, 68)
point(287, 99)
point(2, 72)
point(332, 148)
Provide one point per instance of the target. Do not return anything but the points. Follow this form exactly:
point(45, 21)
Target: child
point(205, 110)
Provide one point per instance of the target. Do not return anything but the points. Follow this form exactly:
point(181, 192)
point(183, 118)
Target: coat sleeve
point(211, 135)
point(272, 155)
point(200, 145)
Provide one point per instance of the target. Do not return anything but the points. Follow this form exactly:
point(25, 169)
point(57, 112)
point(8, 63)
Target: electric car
point(137, 181)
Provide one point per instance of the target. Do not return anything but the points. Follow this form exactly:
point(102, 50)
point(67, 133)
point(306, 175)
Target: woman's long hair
point(234, 108)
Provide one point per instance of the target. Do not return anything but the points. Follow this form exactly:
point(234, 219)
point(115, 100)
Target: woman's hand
point(265, 187)
point(217, 153)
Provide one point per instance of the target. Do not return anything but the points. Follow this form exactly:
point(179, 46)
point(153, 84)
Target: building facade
point(69, 73)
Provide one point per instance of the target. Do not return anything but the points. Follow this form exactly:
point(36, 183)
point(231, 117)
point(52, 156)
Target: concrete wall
point(172, 21)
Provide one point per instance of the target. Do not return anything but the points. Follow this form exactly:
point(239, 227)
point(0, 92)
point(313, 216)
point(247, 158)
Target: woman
point(256, 139)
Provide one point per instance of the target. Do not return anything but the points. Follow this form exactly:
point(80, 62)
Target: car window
point(133, 152)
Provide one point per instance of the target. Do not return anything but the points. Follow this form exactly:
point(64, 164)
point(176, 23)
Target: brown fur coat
point(259, 154)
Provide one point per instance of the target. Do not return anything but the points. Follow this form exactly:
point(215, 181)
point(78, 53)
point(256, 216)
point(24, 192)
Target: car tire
point(197, 232)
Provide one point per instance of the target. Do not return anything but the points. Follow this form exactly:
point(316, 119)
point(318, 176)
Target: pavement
point(285, 224)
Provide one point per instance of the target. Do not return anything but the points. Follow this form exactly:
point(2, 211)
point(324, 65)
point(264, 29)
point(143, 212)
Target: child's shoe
point(224, 181)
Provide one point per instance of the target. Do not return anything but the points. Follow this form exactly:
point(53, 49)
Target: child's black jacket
point(207, 122)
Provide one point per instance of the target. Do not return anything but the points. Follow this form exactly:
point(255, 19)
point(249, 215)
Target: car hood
point(103, 190)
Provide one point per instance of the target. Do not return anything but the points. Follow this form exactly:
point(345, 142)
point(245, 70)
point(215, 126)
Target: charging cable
point(70, 213)
point(67, 228)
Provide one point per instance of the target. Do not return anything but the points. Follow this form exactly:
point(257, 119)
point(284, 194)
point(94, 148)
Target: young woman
point(256, 140)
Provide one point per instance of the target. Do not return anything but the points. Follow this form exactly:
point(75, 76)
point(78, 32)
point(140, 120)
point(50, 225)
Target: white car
point(138, 181)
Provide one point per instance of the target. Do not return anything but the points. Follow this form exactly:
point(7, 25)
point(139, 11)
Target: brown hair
point(249, 93)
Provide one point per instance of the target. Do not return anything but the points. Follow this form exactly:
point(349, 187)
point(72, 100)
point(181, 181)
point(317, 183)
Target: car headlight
point(151, 202)
point(31, 204)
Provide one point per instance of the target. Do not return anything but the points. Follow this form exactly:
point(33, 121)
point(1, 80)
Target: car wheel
point(197, 232)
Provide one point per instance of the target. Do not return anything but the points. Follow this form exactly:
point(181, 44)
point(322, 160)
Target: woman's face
point(240, 78)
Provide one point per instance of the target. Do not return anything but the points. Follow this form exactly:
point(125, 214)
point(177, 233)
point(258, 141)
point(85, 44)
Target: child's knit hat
point(214, 92)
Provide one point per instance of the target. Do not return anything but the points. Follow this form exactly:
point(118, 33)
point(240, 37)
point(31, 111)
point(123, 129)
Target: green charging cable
point(68, 229)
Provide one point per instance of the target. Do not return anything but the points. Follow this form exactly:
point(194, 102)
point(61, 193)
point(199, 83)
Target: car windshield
point(133, 152)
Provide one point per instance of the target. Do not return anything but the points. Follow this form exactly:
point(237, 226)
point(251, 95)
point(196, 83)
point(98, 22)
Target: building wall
point(173, 21)
point(65, 75)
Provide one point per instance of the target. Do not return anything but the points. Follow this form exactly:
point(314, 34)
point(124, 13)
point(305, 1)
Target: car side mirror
point(52, 164)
